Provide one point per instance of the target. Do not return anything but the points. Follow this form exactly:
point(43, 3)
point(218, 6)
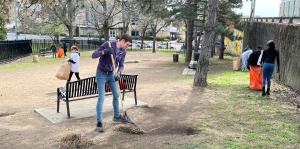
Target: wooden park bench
point(87, 88)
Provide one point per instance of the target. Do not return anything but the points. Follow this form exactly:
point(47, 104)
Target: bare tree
point(103, 13)
point(143, 25)
point(130, 9)
point(158, 13)
point(200, 78)
point(156, 26)
point(65, 10)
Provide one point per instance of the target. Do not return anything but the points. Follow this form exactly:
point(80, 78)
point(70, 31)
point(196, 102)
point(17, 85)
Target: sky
point(264, 8)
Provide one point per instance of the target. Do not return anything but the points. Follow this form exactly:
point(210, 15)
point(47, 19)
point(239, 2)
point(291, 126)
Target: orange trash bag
point(60, 53)
point(256, 78)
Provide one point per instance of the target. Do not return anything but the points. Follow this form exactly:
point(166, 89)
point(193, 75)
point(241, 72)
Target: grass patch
point(166, 51)
point(26, 62)
point(232, 79)
point(241, 118)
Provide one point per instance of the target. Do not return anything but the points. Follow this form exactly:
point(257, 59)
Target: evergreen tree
point(226, 18)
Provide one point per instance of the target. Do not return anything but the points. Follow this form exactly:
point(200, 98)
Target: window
point(112, 33)
point(134, 33)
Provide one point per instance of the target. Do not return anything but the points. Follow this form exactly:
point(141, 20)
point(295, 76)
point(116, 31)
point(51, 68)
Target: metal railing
point(288, 20)
point(10, 50)
point(39, 45)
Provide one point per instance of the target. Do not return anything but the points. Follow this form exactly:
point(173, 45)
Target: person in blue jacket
point(105, 73)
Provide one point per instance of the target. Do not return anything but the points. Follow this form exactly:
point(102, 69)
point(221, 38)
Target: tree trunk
point(189, 50)
point(100, 33)
point(154, 40)
point(198, 39)
point(56, 39)
point(70, 30)
point(200, 78)
point(213, 52)
point(106, 30)
point(106, 34)
point(185, 33)
point(125, 28)
point(142, 44)
point(222, 48)
point(143, 36)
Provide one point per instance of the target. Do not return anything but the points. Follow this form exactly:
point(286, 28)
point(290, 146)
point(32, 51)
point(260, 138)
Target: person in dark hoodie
point(105, 73)
point(253, 58)
point(268, 59)
point(65, 48)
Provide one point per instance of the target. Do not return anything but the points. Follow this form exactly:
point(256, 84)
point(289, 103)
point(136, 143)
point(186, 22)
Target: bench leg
point(68, 109)
point(135, 97)
point(57, 109)
point(123, 95)
point(58, 100)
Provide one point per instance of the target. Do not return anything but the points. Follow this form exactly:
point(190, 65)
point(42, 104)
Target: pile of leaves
point(74, 141)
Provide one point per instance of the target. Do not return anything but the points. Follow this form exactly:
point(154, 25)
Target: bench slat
point(75, 91)
point(85, 87)
point(80, 86)
point(95, 91)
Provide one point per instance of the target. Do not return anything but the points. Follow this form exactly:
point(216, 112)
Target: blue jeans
point(267, 74)
point(102, 78)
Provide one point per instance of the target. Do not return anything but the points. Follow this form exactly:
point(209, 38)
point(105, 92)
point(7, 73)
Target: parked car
point(165, 45)
point(145, 45)
point(95, 42)
point(112, 39)
point(138, 44)
point(67, 40)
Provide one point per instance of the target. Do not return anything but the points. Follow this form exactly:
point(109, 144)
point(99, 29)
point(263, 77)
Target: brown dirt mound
point(129, 128)
point(74, 141)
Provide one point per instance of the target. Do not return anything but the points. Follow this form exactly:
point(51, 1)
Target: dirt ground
point(174, 105)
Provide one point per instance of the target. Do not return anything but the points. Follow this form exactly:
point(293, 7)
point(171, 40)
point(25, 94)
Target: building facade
point(289, 8)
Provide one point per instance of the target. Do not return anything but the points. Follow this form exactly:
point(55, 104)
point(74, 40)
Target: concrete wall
point(287, 41)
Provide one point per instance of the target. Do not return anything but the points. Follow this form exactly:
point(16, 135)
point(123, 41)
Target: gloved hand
point(117, 77)
point(71, 61)
point(107, 51)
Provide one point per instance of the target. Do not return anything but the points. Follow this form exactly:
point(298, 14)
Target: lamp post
point(252, 13)
point(16, 9)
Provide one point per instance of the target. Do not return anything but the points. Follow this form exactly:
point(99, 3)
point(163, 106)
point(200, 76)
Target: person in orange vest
point(60, 53)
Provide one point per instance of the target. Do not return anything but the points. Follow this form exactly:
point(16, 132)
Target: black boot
point(99, 127)
point(268, 91)
point(263, 92)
